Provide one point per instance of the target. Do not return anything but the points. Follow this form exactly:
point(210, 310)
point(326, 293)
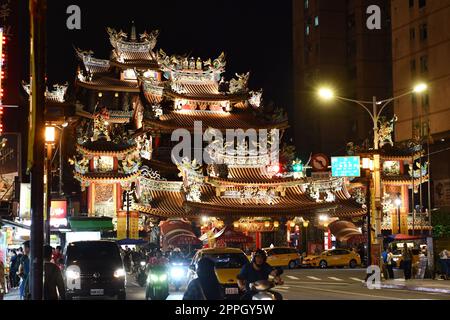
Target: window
point(228, 260)
point(316, 21)
point(423, 64)
point(411, 3)
point(412, 33)
point(422, 3)
point(423, 31)
point(307, 30)
point(413, 66)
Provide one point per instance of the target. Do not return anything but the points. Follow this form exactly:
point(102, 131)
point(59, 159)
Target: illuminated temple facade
point(128, 107)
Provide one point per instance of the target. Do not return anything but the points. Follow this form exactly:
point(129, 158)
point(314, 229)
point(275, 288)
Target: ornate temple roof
point(403, 180)
point(217, 120)
point(107, 83)
point(106, 177)
point(105, 148)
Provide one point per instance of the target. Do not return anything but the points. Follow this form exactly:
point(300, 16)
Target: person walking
point(390, 264)
point(54, 288)
point(206, 286)
point(24, 272)
point(407, 261)
point(444, 259)
point(2, 280)
point(13, 268)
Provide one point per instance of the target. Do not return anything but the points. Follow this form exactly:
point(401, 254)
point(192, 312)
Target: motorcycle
point(157, 283)
point(141, 273)
point(178, 273)
point(263, 291)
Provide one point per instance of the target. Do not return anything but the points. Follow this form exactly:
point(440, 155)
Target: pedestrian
point(444, 259)
point(206, 286)
point(54, 288)
point(407, 261)
point(384, 255)
point(13, 268)
point(57, 255)
point(24, 272)
point(390, 263)
point(2, 280)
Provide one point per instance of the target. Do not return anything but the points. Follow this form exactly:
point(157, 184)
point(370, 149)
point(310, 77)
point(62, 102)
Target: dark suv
point(94, 269)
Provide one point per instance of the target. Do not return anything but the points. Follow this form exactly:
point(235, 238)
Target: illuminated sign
point(58, 213)
point(25, 200)
point(345, 166)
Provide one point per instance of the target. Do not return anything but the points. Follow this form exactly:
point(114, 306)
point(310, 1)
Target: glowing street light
point(326, 94)
point(420, 87)
point(50, 134)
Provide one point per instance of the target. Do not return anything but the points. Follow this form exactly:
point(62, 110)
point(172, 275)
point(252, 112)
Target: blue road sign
point(345, 167)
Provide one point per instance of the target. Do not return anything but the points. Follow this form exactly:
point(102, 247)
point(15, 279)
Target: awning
point(403, 237)
point(14, 224)
point(91, 224)
point(230, 236)
point(184, 239)
point(344, 230)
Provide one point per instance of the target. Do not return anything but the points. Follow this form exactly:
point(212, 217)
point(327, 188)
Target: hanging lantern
point(276, 224)
point(267, 224)
point(305, 223)
point(236, 225)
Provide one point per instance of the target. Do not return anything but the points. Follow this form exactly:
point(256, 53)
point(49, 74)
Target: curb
point(414, 288)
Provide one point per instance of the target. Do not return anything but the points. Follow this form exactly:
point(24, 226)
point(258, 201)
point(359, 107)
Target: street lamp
point(327, 94)
point(398, 204)
point(49, 142)
point(61, 130)
point(305, 227)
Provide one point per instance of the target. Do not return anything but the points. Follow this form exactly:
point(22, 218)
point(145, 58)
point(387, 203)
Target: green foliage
point(440, 221)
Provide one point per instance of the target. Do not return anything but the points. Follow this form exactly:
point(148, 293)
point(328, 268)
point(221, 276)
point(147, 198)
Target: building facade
point(334, 47)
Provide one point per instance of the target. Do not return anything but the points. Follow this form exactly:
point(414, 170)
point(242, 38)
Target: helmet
point(261, 253)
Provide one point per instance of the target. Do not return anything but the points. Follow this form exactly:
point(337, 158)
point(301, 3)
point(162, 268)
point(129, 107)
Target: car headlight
point(143, 263)
point(395, 259)
point(72, 275)
point(152, 278)
point(119, 273)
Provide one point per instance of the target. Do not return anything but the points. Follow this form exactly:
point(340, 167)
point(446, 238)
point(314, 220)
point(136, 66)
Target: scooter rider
point(158, 259)
point(258, 269)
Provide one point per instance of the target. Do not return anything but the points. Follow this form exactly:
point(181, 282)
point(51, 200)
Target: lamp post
point(305, 228)
point(398, 204)
point(377, 107)
point(49, 143)
point(61, 135)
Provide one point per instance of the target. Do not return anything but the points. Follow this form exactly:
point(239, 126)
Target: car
point(94, 269)
point(228, 264)
point(333, 258)
point(398, 258)
point(283, 257)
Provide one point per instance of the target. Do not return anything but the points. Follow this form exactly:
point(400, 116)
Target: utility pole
point(36, 142)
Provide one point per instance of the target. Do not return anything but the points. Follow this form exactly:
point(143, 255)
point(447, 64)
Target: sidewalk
point(12, 295)
point(427, 285)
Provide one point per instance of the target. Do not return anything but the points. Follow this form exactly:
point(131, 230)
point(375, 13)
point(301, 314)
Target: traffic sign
point(320, 162)
point(345, 167)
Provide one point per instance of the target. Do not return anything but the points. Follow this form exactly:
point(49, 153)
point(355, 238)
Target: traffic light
point(297, 167)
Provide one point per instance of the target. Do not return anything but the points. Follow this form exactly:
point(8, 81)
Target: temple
point(128, 108)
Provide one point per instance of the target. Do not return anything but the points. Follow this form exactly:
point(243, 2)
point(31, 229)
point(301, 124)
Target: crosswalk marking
point(335, 279)
point(293, 278)
point(314, 278)
point(357, 280)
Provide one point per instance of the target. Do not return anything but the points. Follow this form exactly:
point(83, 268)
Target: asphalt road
point(317, 284)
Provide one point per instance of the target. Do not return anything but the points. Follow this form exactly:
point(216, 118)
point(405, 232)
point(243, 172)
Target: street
point(317, 284)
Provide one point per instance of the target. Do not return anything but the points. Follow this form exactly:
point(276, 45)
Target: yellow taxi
point(398, 258)
point(333, 258)
point(228, 264)
point(283, 257)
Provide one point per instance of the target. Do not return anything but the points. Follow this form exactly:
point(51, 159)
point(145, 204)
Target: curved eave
point(404, 182)
point(95, 86)
point(138, 64)
point(208, 98)
point(160, 125)
point(119, 120)
point(229, 183)
point(99, 179)
point(110, 153)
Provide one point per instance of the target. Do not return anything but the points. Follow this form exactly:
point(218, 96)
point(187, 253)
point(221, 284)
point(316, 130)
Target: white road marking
point(293, 278)
point(314, 278)
point(358, 280)
point(349, 293)
point(283, 287)
point(335, 279)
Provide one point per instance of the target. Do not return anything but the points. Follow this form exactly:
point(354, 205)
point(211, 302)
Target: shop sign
point(121, 225)
point(134, 225)
point(25, 201)
point(58, 213)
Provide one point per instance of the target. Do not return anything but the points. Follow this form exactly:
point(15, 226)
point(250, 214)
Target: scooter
point(262, 289)
point(157, 283)
point(141, 274)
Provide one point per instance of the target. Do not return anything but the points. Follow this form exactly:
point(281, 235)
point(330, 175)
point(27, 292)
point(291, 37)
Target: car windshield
point(228, 260)
point(93, 251)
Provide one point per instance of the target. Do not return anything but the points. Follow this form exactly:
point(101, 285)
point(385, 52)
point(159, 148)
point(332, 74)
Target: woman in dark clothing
point(53, 279)
point(206, 286)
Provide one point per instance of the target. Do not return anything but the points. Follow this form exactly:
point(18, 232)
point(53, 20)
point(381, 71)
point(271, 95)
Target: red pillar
point(258, 240)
